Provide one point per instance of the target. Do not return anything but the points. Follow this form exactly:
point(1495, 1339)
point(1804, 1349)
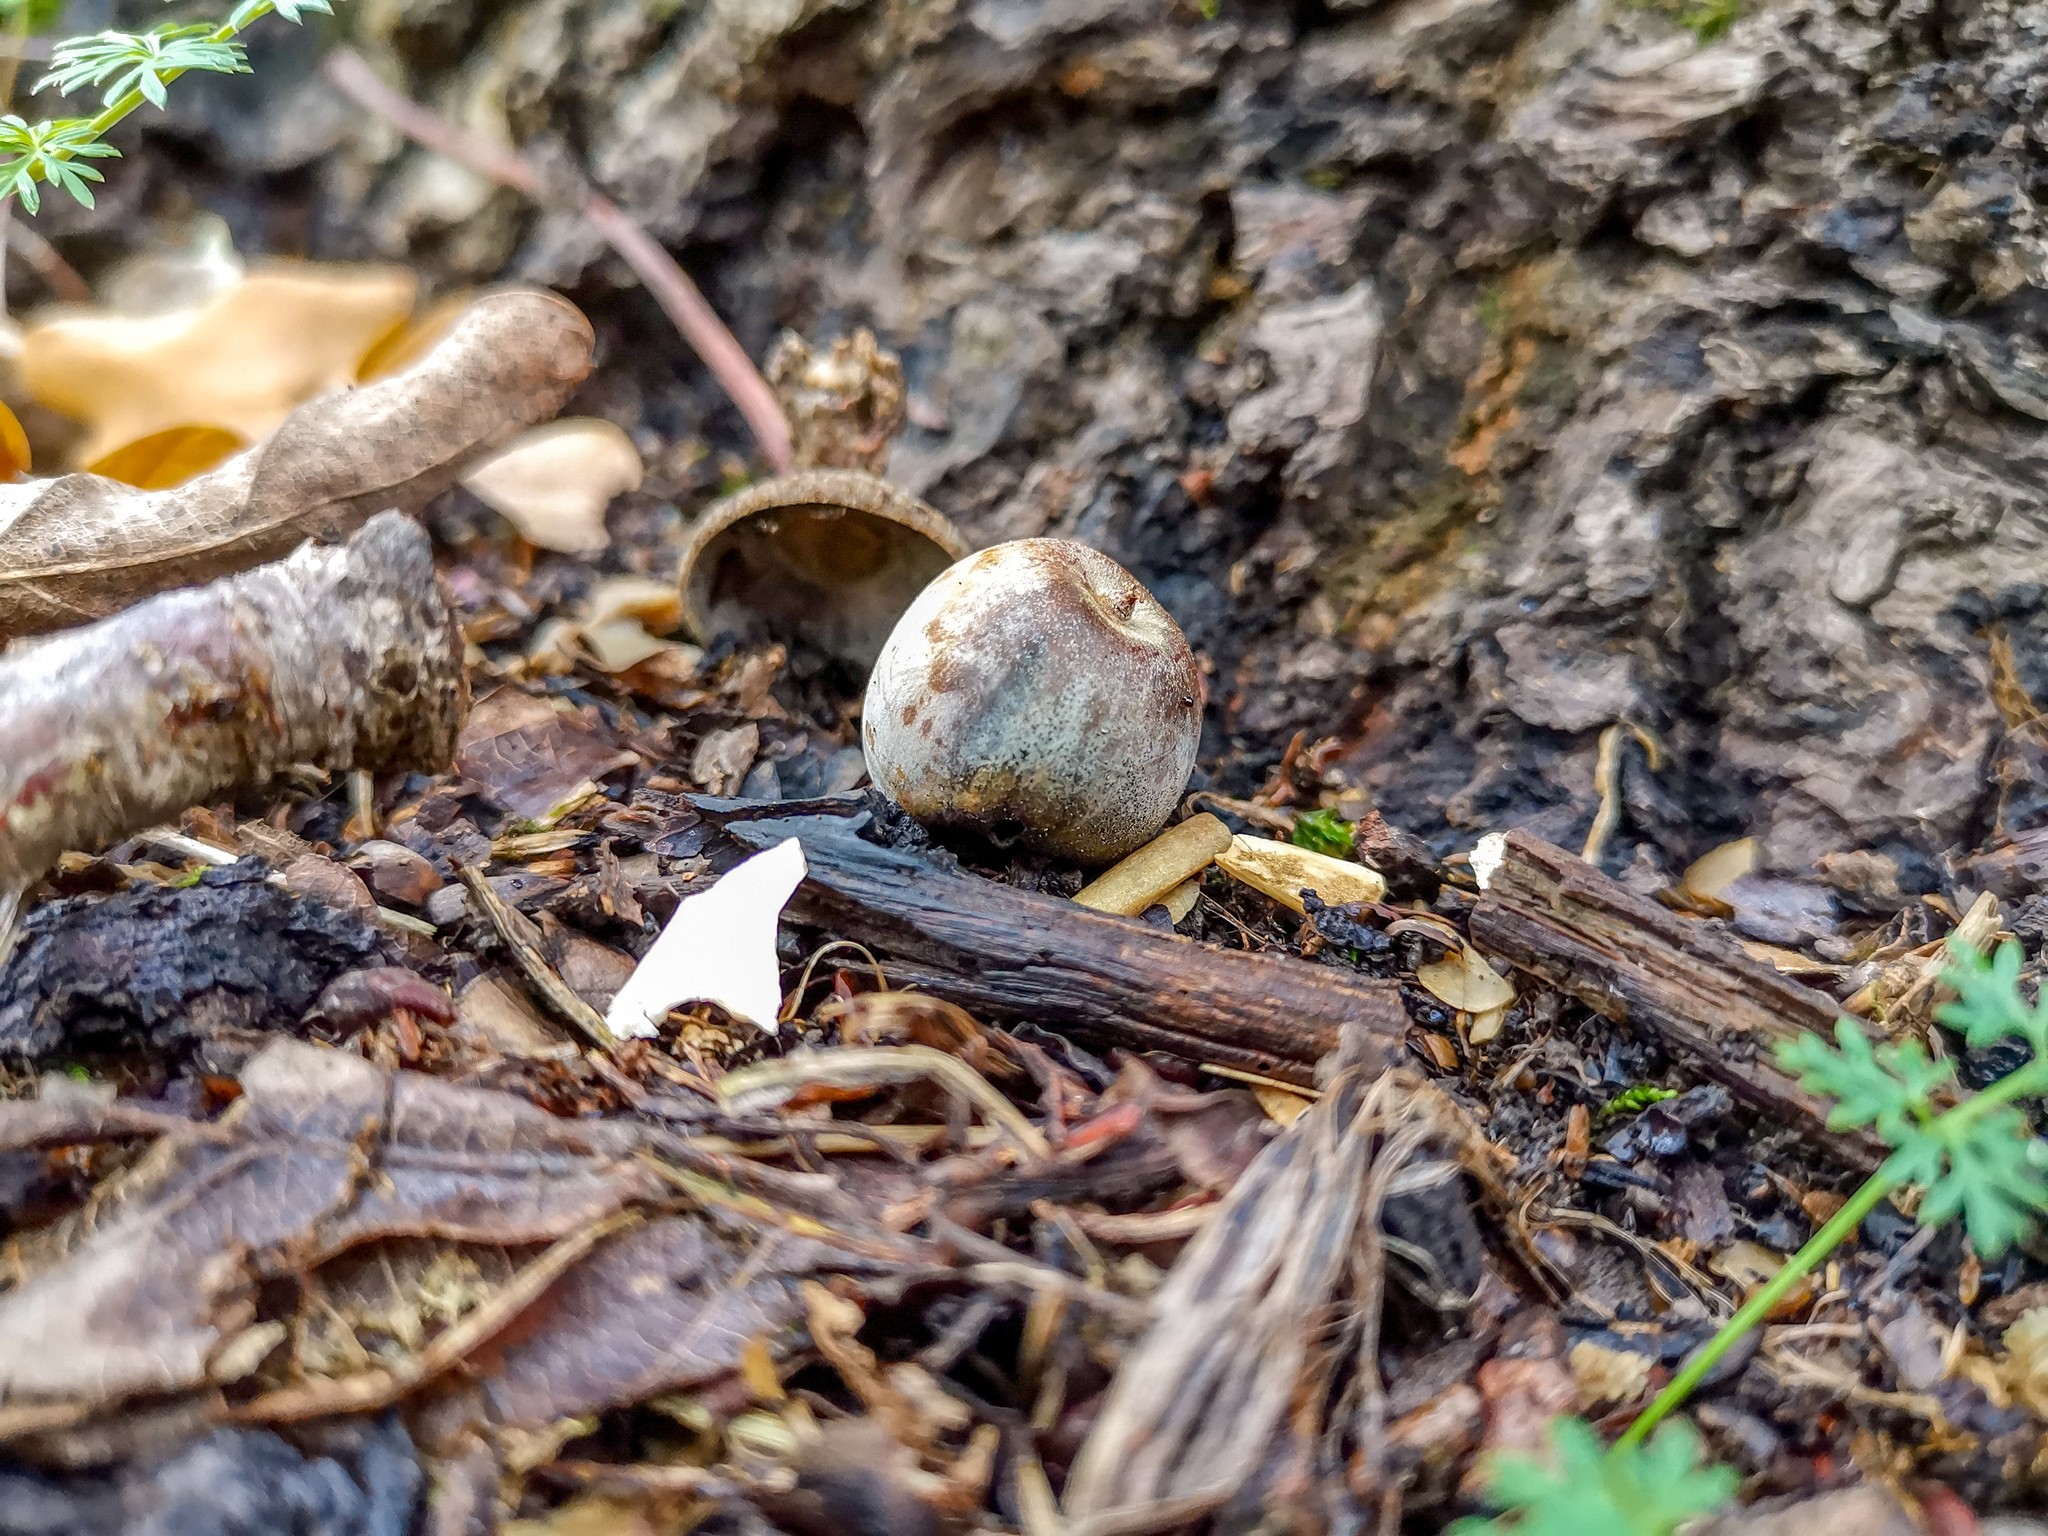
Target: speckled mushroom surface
point(1036, 693)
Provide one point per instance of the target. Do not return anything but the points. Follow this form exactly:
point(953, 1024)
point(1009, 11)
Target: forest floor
point(1512, 411)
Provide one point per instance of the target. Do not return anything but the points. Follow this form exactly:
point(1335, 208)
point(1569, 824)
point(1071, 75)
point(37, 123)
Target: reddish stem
point(679, 297)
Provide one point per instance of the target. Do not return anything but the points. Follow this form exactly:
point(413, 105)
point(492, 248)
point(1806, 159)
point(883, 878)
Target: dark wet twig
point(680, 298)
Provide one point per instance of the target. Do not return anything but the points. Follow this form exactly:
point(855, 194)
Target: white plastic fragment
point(718, 948)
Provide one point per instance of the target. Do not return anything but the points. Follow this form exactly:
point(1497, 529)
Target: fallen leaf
point(1708, 877)
point(413, 338)
point(531, 757)
point(1174, 857)
point(1466, 982)
point(718, 948)
point(723, 757)
point(1282, 1107)
point(245, 358)
point(1607, 1375)
point(1283, 871)
point(80, 547)
point(327, 1151)
point(1487, 1024)
point(554, 483)
point(168, 458)
point(14, 451)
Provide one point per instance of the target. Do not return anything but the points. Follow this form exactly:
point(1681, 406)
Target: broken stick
point(340, 657)
point(1108, 980)
point(1638, 963)
point(80, 547)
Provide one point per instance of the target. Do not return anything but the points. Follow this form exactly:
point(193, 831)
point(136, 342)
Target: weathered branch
point(339, 657)
point(1638, 963)
point(1109, 980)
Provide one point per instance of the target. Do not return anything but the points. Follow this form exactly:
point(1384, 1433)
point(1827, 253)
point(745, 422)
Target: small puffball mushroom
point(1036, 693)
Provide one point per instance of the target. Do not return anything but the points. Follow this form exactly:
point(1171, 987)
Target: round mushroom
point(1036, 693)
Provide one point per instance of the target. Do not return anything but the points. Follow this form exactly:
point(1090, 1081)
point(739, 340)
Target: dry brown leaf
point(245, 358)
point(80, 547)
point(168, 458)
point(554, 483)
point(1466, 982)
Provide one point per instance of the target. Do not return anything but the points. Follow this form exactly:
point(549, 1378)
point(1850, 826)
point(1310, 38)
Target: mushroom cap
point(1036, 692)
point(830, 557)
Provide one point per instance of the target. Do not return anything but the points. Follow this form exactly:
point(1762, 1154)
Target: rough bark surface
point(1465, 375)
point(342, 657)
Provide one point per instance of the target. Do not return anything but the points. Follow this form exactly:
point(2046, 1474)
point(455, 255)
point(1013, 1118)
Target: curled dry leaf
point(244, 358)
point(554, 483)
point(718, 948)
point(80, 547)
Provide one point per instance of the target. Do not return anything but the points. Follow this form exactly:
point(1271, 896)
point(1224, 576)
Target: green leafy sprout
point(1971, 1156)
point(1322, 832)
point(129, 69)
point(1634, 1099)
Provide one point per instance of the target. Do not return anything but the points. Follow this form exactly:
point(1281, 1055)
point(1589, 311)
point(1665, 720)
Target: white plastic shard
point(718, 948)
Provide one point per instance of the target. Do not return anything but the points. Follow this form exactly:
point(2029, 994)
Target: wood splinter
point(340, 657)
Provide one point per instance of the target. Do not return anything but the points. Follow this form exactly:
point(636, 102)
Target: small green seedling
point(1634, 1099)
point(129, 69)
point(1322, 832)
point(1587, 1489)
point(1976, 1159)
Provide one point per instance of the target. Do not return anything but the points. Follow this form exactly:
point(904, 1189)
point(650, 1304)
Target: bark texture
point(342, 657)
point(1465, 375)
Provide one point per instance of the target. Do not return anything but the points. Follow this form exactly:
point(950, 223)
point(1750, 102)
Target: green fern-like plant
point(1973, 1157)
point(129, 70)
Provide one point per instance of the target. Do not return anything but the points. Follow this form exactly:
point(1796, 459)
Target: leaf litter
point(552, 1156)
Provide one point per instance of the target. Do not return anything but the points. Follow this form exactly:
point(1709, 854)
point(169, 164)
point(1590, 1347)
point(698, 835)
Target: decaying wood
point(1638, 963)
point(342, 657)
point(1008, 953)
point(81, 547)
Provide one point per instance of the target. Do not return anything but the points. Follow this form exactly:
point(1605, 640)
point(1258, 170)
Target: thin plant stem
point(1758, 1307)
point(680, 298)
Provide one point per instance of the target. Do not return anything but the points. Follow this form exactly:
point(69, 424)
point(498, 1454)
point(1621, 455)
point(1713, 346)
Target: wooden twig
point(680, 298)
point(1641, 964)
point(523, 940)
point(1112, 980)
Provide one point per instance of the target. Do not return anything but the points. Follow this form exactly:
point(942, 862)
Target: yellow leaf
point(241, 360)
point(1707, 878)
point(554, 483)
point(1466, 982)
point(14, 455)
point(168, 458)
point(1280, 1106)
point(412, 338)
point(1283, 871)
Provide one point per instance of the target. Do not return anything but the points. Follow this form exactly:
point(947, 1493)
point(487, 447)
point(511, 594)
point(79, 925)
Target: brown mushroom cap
point(1037, 692)
point(830, 557)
